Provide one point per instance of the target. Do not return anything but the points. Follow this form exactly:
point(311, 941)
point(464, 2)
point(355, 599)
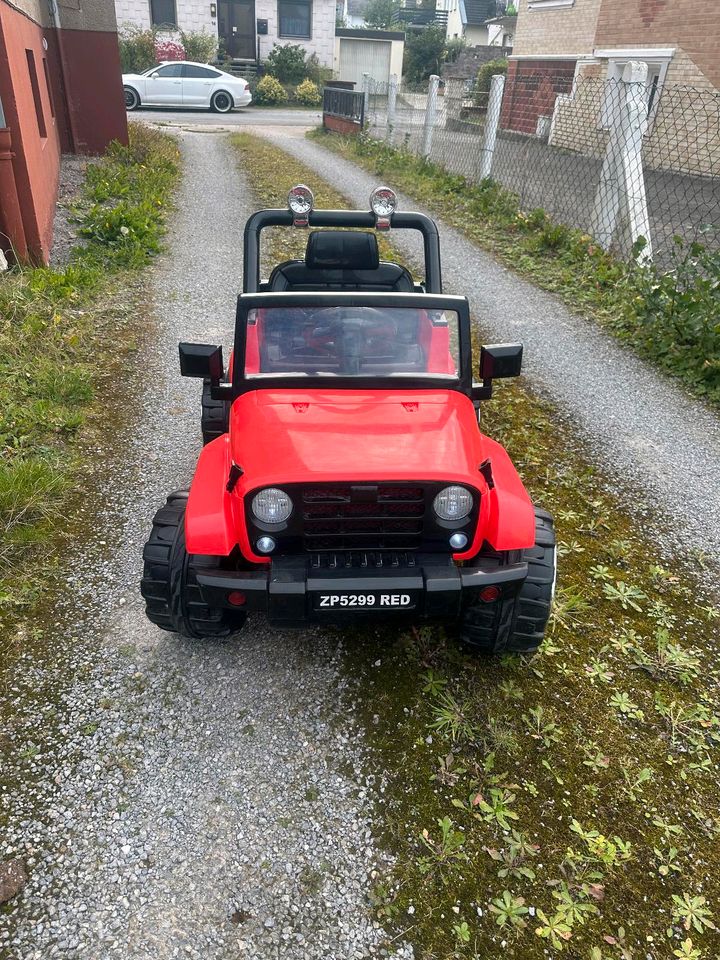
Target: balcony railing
point(419, 17)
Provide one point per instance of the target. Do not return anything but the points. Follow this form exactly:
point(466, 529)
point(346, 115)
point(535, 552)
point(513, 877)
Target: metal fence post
point(366, 94)
point(492, 122)
point(391, 106)
point(430, 113)
point(621, 199)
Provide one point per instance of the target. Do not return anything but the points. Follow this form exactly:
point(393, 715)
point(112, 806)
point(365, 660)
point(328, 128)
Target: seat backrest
point(341, 260)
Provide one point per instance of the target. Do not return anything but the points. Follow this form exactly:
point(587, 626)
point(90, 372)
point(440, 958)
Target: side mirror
point(500, 360)
point(496, 360)
point(154, 76)
point(201, 360)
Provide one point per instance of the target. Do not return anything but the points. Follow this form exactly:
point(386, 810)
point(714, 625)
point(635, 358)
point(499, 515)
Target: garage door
point(364, 56)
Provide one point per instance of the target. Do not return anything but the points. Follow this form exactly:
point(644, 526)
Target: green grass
point(580, 784)
point(671, 316)
point(56, 326)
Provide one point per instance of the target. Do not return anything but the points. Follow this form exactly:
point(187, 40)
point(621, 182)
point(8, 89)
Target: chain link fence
point(619, 159)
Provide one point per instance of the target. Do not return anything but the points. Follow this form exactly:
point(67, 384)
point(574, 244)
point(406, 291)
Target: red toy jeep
point(343, 476)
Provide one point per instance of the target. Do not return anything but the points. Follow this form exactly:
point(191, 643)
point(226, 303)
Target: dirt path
point(658, 445)
point(174, 799)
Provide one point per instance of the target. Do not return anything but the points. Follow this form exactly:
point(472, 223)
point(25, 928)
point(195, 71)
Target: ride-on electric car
point(344, 476)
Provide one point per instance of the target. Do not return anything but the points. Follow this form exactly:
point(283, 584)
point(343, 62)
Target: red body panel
point(282, 436)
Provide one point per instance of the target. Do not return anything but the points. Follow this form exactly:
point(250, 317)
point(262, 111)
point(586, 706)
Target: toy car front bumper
point(292, 591)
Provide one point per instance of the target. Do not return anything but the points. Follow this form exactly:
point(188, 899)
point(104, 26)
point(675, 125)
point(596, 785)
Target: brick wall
point(531, 88)
point(692, 25)
point(567, 31)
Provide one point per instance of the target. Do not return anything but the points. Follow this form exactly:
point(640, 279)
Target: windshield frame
point(416, 301)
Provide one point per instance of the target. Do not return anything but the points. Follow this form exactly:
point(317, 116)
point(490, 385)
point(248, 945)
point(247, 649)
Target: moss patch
point(565, 803)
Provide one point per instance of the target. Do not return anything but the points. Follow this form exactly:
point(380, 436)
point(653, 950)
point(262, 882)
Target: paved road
point(175, 799)
point(248, 117)
point(659, 446)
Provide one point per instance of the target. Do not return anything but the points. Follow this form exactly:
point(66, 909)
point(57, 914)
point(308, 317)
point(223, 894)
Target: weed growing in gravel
point(671, 314)
point(52, 324)
point(564, 804)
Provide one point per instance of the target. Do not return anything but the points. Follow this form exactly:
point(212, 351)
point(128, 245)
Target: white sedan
point(181, 83)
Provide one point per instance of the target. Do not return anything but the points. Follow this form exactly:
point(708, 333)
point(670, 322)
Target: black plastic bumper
point(293, 591)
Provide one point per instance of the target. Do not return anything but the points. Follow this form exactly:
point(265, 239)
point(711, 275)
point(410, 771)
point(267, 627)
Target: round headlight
point(272, 505)
point(383, 202)
point(300, 200)
point(453, 503)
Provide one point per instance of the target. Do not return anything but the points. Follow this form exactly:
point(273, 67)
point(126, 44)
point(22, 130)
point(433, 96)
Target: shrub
point(287, 63)
point(424, 53)
point(315, 72)
point(308, 93)
point(137, 48)
point(270, 91)
point(484, 78)
point(380, 14)
point(168, 49)
point(199, 46)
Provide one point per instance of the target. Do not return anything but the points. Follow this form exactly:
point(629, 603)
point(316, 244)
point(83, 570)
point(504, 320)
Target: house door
point(236, 27)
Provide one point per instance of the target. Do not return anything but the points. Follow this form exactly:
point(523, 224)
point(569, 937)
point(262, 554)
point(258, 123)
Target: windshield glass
point(350, 341)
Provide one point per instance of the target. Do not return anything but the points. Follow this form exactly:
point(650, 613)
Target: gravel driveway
point(174, 799)
point(657, 445)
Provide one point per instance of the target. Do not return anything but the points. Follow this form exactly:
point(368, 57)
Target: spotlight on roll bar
point(300, 202)
point(383, 203)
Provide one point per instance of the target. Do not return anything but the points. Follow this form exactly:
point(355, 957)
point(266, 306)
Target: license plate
point(367, 600)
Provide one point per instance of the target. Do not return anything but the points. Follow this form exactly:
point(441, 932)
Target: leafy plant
point(200, 46)
point(445, 849)
point(380, 14)
point(509, 911)
point(270, 91)
point(137, 48)
point(308, 93)
point(625, 594)
point(692, 912)
point(286, 62)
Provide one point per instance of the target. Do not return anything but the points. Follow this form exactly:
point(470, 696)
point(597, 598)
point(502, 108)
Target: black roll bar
point(340, 218)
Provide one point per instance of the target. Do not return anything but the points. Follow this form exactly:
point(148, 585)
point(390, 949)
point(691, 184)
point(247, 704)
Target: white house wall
point(322, 41)
point(195, 15)
point(191, 15)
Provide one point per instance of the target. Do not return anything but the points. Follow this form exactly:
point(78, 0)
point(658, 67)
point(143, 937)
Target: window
point(163, 12)
point(171, 70)
point(295, 18)
point(49, 88)
point(35, 87)
point(190, 71)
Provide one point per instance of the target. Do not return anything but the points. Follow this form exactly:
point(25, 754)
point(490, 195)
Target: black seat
point(341, 260)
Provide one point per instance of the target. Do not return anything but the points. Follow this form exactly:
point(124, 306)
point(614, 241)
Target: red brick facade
point(531, 89)
point(60, 91)
point(340, 124)
point(692, 26)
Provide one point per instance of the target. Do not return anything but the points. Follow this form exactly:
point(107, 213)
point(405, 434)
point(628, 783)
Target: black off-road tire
point(132, 98)
point(215, 418)
point(516, 622)
point(222, 102)
point(169, 585)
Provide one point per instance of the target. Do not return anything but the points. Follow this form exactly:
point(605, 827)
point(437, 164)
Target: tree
point(380, 14)
point(424, 52)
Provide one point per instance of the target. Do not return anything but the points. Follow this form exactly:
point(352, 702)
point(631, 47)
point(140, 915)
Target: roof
point(478, 11)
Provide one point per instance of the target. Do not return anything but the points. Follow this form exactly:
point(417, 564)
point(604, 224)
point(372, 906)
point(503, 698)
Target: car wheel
point(132, 100)
point(173, 598)
point(516, 621)
point(221, 102)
